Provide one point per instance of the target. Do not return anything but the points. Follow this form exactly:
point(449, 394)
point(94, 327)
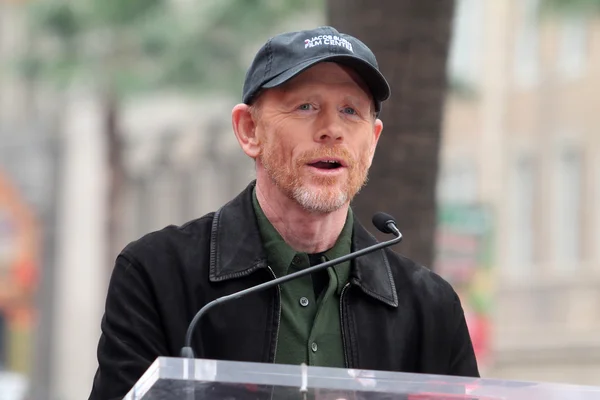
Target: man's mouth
point(326, 164)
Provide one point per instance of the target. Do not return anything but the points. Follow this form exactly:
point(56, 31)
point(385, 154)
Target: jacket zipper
point(346, 358)
point(278, 313)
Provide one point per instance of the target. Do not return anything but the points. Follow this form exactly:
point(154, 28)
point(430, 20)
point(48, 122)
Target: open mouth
point(326, 164)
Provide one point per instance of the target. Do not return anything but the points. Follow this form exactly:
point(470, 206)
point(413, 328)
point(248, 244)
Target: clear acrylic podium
point(179, 378)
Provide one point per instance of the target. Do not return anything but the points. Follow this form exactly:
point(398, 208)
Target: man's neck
point(302, 230)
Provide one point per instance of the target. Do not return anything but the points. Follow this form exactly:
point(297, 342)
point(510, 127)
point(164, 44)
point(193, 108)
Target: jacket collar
point(372, 272)
point(236, 250)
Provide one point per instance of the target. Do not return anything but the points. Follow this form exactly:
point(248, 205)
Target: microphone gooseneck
point(382, 221)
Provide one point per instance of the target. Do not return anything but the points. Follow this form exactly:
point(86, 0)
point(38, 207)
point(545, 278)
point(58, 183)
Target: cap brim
point(380, 89)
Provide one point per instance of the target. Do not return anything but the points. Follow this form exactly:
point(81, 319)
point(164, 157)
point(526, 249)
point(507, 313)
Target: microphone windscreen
point(381, 221)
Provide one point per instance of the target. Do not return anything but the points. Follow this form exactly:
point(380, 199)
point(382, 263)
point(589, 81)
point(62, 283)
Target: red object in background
point(479, 330)
point(251, 387)
point(25, 275)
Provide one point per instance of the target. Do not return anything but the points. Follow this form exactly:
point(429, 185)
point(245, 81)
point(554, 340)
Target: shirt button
point(297, 260)
point(303, 301)
point(314, 347)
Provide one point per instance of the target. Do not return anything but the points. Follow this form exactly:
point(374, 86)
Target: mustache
point(327, 152)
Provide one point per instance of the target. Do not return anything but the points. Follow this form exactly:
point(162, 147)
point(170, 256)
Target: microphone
point(385, 223)
point(382, 221)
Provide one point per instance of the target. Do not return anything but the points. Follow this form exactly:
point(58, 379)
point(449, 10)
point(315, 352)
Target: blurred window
point(457, 183)
point(573, 48)
point(521, 219)
point(467, 41)
point(526, 61)
point(567, 241)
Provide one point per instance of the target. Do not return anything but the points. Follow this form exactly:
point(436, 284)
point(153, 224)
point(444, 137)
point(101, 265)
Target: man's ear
point(244, 127)
point(377, 129)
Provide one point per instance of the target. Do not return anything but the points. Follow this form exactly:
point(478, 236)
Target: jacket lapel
point(372, 272)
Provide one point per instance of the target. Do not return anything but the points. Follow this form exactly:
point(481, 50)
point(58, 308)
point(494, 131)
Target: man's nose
point(330, 129)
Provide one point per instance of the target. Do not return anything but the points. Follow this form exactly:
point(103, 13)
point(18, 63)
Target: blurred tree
point(570, 7)
point(134, 46)
point(411, 40)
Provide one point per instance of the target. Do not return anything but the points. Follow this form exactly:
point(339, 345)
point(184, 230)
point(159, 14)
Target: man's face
point(317, 136)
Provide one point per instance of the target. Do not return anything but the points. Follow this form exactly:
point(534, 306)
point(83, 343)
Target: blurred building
point(519, 225)
point(521, 169)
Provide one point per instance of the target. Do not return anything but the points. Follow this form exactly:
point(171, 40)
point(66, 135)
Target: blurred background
point(115, 121)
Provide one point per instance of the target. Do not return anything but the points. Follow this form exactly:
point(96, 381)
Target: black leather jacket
point(395, 314)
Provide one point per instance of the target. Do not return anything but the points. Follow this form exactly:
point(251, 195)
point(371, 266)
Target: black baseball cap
point(288, 54)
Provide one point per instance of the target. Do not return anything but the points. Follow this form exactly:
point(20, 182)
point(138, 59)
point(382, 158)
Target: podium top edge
point(174, 372)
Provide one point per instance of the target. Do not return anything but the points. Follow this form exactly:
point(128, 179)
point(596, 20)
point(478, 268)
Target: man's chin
point(321, 208)
point(320, 199)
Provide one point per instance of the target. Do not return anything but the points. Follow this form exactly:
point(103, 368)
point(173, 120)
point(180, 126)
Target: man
point(309, 119)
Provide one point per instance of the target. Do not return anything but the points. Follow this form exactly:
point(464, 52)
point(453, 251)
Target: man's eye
point(349, 110)
point(305, 107)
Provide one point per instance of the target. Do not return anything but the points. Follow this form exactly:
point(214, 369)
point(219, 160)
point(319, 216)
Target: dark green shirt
point(309, 330)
